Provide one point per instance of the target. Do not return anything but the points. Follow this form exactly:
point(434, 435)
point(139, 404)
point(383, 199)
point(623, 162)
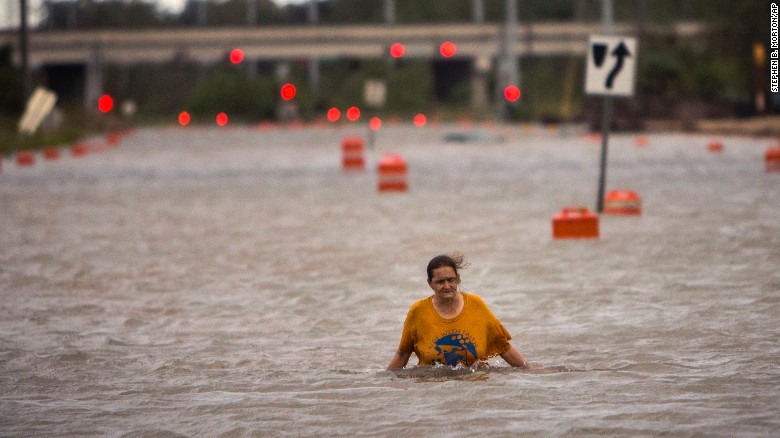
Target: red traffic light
point(288, 91)
point(397, 50)
point(420, 120)
point(105, 103)
point(448, 49)
point(184, 118)
point(375, 123)
point(512, 93)
point(353, 113)
point(222, 119)
point(236, 56)
point(334, 114)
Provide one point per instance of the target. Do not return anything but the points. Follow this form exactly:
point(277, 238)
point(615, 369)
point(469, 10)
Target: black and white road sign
point(611, 66)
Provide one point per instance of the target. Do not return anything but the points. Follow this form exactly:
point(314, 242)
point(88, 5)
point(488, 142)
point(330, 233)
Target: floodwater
point(236, 282)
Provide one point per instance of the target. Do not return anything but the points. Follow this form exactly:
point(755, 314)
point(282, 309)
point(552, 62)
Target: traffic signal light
point(353, 113)
point(397, 50)
point(288, 91)
point(105, 103)
point(448, 49)
point(334, 114)
point(184, 118)
point(512, 93)
point(236, 56)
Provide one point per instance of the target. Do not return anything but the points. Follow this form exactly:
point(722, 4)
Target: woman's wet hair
point(453, 261)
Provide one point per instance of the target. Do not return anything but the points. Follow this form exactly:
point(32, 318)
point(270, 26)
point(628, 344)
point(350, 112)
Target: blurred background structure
point(698, 59)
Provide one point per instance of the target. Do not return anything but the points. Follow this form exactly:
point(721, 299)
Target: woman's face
point(444, 282)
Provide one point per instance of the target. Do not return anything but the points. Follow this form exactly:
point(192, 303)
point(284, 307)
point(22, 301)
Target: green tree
point(411, 88)
point(356, 11)
point(11, 94)
point(414, 11)
point(236, 94)
point(91, 14)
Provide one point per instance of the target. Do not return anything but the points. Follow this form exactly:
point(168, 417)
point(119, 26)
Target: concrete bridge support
point(480, 96)
point(313, 73)
point(93, 78)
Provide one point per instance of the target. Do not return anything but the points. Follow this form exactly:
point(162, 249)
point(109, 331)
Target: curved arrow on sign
point(620, 52)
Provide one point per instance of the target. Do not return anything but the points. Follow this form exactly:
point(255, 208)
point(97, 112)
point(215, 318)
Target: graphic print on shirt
point(455, 347)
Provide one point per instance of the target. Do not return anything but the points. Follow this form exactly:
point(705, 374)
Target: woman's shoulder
point(419, 304)
point(474, 298)
point(422, 302)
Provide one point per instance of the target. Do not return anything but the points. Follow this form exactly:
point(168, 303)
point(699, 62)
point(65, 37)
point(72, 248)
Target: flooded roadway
point(236, 282)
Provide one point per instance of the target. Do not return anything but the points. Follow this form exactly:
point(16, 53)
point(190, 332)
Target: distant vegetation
point(90, 14)
point(716, 68)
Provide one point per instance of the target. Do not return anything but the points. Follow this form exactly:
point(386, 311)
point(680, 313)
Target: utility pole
point(313, 17)
point(508, 66)
point(313, 13)
point(202, 6)
point(389, 11)
point(24, 48)
point(478, 11)
point(481, 65)
point(251, 13)
point(251, 22)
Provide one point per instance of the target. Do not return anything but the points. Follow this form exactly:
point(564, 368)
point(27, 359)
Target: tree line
point(91, 14)
point(717, 66)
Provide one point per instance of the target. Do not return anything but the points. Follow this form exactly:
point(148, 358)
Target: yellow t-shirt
point(474, 334)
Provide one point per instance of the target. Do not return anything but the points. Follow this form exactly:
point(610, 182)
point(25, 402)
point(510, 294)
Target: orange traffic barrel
point(353, 153)
point(79, 150)
point(593, 137)
point(575, 223)
point(25, 158)
point(772, 159)
point(113, 139)
point(392, 173)
point(51, 153)
point(267, 125)
point(622, 202)
point(715, 146)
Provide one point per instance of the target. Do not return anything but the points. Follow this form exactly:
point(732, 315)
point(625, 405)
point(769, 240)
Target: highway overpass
point(477, 43)
point(125, 46)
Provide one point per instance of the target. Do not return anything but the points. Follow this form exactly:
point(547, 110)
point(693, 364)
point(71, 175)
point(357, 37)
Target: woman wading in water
point(452, 327)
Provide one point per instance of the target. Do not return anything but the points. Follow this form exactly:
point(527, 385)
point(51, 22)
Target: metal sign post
point(610, 72)
point(606, 119)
